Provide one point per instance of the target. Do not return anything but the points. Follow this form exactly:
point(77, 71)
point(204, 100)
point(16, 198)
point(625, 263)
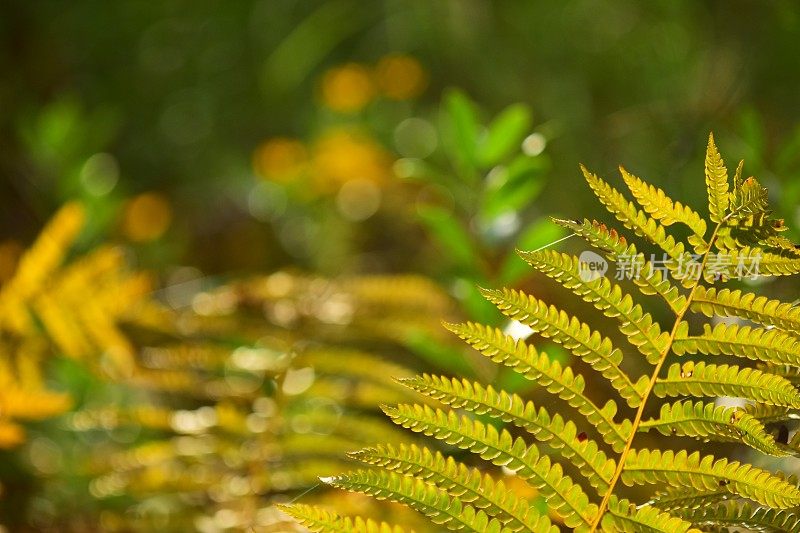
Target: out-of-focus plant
point(480, 185)
point(264, 385)
point(58, 304)
point(198, 412)
point(328, 191)
point(44, 311)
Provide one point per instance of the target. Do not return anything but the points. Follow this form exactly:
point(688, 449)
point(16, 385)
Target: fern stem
point(640, 411)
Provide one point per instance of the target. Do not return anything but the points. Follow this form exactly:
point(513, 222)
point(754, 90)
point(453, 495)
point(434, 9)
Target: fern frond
point(680, 261)
point(649, 280)
point(759, 309)
point(468, 485)
point(716, 182)
point(321, 521)
point(525, 360)
point(756, 262)
point(700, 379)
point(429, 500)
point(561, 494)
point(748, 198)
point(573, 334)
point(560, 435)
point(768, 345)
point(716, 423)
point(705, 473)
point(737, 514)
point(661, 207)
point(638, 327)
point(625, 517)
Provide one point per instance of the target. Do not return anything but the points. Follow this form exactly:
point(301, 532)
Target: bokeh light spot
point(99, 174)
point(347, 89)
point(358, 200)
point(400, 77)
point(280, 159)
point(146, 217)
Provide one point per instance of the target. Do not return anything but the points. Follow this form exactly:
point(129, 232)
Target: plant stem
point(653, 378)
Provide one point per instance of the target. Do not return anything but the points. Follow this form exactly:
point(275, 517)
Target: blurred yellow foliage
point(74, 309)
point(23, 396)
point(146, 217)
point(280, 159)
point(342, 155)
point(347, 89)
point(400, 77)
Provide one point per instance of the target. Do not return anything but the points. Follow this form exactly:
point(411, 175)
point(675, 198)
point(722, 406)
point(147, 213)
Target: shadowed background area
point(175, 102)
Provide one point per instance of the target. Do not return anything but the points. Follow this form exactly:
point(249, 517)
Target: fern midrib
point(653, 379)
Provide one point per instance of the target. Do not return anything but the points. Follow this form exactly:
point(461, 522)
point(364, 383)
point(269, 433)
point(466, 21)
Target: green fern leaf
point(716, 182)
point(768, 345)
point(709, 422)
point(700, 379)
point(638, 327)
point(429, 500)
point(468, 485)
point(748, 198)
point(570, 387)
point(727, 303)
point(680, 261)
point(623, 516)
point(755, 262)
point(706, 473)
point(321, 521)
point(573, 334)
point(584, 453)
point(661, 207)
point(742, 515)
point(561, 494)
point(691, 489)
point(649, 280)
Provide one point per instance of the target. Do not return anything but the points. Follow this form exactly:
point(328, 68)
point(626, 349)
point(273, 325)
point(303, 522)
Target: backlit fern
point(592, 461)
point(247, 395)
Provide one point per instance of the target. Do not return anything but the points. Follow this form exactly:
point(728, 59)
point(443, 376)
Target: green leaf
point(716, 182)
point(451, 236)
point(562, 495)
point(467, 484)
point(428, 499)
point(321, 521)
point(513, 188)
point(504, 135)
point(460, 135)
point(707, 473)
